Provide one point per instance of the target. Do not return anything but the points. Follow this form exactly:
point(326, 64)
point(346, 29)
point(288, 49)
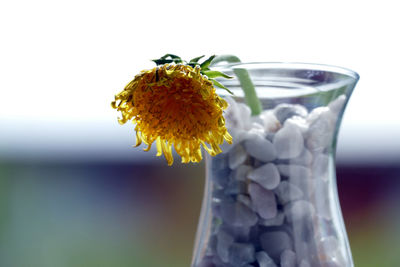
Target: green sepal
point(172, 56)
point(195, 60)
point(216, 83)
point(193, 65)
point(205, 65)
point(214, 74)
point(162, 61)
point(168, 58)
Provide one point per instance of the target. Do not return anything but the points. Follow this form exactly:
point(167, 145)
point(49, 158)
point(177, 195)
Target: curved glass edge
point(290, 65)
point(273, 80)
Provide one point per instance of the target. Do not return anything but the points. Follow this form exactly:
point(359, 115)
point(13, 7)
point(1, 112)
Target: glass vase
point(270, 198)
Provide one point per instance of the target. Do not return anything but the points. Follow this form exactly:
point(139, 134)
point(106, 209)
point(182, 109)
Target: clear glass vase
point(270, 198)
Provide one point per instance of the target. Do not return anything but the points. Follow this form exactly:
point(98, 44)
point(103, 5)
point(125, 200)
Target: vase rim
point(292, 65)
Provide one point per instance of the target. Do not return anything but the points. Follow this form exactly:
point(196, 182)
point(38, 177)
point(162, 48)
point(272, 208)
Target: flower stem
point(245, 82)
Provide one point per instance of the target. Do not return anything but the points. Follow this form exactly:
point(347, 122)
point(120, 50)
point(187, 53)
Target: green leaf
point(168, 58)
point(214, 74)
point(205, 65)
point(176, 60)
point(193, 65)
point(162, 61)
point(196, 59)
point(172, 56)
point(216, 83)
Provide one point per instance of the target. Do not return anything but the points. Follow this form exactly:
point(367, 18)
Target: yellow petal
point(159, 149)
point(138, 139)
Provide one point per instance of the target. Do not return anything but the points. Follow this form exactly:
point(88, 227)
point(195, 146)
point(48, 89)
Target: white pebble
point(258, 120)
point(322, 129)
point(305, 158)
point(300, 123)
point(304, 263)
point(260, 148)
point(258, 129)
point(264, 260)
point(231, 114)
point(284, 111)
point(305, 185)
point(276, 221)
point(241, 254)
point(336, 106)
point(237, 156)
point(288, 258)
point(316, 113)
point(275, 242)
point(237, 214)
point(263, 200)
point(299, 210)
point(244, 115)
point(294, 172)
point(271, 123)
point(287, 192)
point(267, 176)
point(288, 142)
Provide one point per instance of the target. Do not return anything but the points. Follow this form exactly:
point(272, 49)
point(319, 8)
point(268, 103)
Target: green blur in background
point(98, 215)
point(108, 214)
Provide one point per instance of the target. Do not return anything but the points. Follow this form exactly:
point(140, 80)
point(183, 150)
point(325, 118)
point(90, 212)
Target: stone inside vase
point(272, 194)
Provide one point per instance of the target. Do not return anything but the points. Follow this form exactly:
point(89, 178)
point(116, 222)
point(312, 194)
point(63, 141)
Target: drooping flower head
point(175, 105)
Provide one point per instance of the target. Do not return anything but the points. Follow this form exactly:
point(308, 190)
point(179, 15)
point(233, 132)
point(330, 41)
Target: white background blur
point(61, 62)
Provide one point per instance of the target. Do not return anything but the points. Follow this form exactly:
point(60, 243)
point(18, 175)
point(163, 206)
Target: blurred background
point(72, 190)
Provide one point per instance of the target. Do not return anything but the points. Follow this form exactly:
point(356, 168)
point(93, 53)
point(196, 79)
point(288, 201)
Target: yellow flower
point(174, 105)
